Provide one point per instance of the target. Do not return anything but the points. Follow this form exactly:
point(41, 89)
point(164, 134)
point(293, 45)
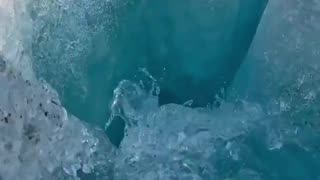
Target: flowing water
point(159, 90)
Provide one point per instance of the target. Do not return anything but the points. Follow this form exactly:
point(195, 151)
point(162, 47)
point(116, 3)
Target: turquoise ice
point(138, 89)
point(185, 45)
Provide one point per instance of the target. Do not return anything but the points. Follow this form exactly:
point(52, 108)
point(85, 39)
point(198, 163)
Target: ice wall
point(281, 72)
point(284, 50)
point(64, 35)
point(91, 46)
point(195, 44)
point(69, 37)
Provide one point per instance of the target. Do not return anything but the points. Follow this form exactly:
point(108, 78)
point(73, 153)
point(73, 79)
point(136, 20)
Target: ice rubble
point(174, 141)
point(40, 140)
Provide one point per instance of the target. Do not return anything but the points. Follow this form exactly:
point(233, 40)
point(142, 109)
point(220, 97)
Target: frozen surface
point(285, 50)
point(40, 140)
point(267, 129)
point(65, 34)
point(282, 68)
point(15, 36)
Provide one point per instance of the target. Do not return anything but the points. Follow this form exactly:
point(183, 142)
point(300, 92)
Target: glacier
point(117, 38)
point(62, 61)
point(40, 140)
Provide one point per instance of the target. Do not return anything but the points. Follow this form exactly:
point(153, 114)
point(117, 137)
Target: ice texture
point(190, 43)
point(236, 139)
point(16, 36)
point(40, 140)
point(178, 142)
point(65, 34)
point(69, 38)
point(281, 71)
point(88, 46)
point(268, 129)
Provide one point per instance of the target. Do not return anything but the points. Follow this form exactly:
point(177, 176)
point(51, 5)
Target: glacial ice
point(40, 140)
point(281, 71)
point(281, 74)
point(238, 140)
point(15, 36)
point(65, 34)
point(177, 142)
point(197, 44)
point(267, 126)
point(89, 46)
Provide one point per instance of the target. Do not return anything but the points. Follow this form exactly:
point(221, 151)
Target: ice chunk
point(40, 140)
point(173, 141)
